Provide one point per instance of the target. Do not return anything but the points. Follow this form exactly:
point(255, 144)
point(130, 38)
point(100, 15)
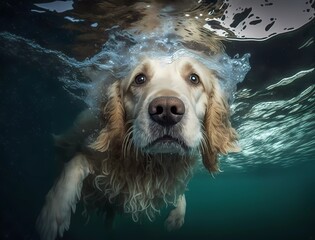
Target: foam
point(123, 51)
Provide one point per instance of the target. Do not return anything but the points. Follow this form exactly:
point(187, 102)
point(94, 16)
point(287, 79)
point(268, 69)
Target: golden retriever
point(137, 154)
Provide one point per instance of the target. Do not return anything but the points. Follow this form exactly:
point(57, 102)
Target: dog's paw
point(175, 220)
point(61, 200)
point(53, 220)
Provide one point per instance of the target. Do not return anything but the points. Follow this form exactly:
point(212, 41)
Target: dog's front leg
point(55, 216)
point(177, 216)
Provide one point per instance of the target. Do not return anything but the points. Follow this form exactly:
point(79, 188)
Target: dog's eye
point(140, 79)
point(194, 78)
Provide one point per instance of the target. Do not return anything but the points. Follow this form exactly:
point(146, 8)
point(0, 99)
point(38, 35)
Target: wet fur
point(118, 176)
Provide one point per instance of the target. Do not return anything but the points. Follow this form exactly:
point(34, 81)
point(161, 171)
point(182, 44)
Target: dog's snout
point(166, 110)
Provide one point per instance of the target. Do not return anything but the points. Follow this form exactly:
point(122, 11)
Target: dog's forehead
point(162, 62)
point(175, 62)
point(167, 63)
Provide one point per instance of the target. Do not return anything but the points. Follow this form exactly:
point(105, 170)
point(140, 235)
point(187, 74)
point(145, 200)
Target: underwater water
point(267, 191)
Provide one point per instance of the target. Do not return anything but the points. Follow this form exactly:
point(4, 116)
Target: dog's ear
point(113, 117)
point(220, 137)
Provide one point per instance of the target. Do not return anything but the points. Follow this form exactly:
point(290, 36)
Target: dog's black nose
point(167, 111)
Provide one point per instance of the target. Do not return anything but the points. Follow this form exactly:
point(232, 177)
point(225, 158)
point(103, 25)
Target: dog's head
point(167, 107)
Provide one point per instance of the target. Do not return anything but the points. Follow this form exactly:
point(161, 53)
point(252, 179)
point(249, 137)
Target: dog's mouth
point(166, 144)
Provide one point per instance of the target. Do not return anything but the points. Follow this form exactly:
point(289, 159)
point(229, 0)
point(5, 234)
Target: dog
point(137, 151)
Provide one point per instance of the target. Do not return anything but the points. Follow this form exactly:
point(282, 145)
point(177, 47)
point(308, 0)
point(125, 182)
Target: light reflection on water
point(280, 132)
point(260, 20)
point(238, 20)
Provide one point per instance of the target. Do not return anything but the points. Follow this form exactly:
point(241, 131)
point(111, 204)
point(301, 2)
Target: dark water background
point(255, 201)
